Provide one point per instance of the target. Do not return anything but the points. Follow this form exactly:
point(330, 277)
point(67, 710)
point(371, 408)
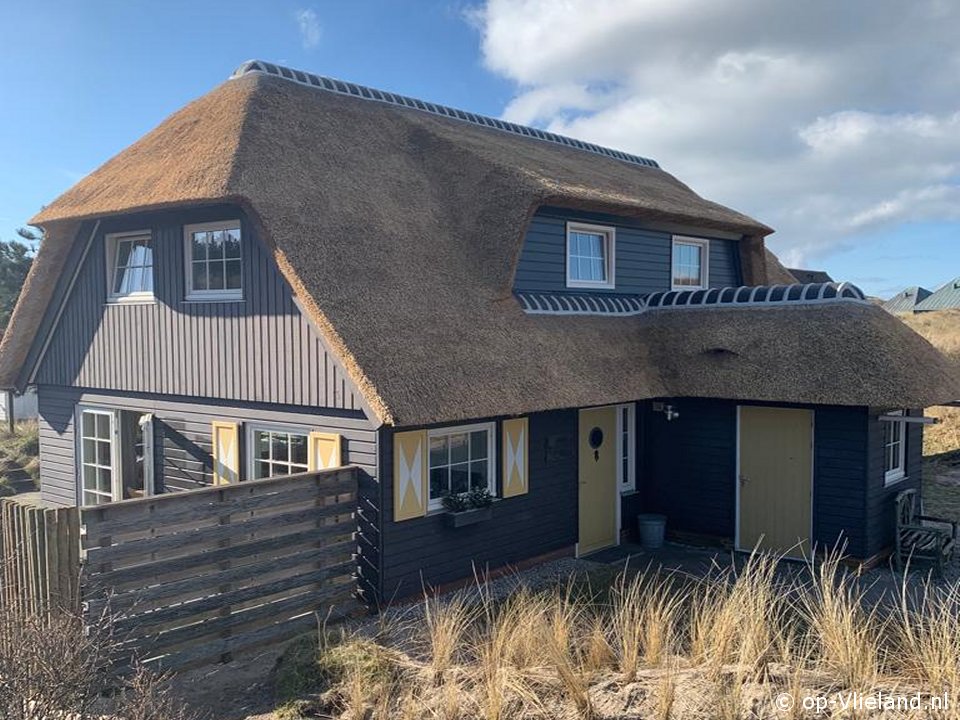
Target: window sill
point(208, 299)
point(132, 300)
point(894, 480)
point(627, 492)
point(683, 288)
point(576, 285)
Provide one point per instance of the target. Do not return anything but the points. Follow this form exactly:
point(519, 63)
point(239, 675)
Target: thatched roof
point(399, 231)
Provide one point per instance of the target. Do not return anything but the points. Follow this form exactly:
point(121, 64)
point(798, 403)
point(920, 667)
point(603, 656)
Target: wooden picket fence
point(39, 558)
point(191, 577)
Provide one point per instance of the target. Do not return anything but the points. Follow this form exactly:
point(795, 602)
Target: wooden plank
point(192, 539)
point(148, 571)
point(234, 597)
point(170, 592)
point(52, 559)
point(189, 509)
point(326, 481)
point(282, 609)
point(144, 600)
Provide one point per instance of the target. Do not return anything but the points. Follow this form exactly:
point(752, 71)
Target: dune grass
point(649, 646)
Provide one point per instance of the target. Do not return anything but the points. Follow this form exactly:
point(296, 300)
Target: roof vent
point(320, 82)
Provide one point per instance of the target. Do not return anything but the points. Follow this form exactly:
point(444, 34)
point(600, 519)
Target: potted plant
point(468, 508)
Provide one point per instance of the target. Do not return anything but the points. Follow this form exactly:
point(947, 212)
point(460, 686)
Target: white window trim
point(627, 484)
point(610, 244)
point(111, 242)
point(116, 482)
point(891, 477)
point(703, 243)
point(251, 429)
point(210, 295)
point(437, 504)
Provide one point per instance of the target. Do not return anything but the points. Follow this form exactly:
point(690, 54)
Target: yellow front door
point(598, 479)
point(775, 479)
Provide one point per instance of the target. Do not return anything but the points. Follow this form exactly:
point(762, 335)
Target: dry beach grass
point(750, 643)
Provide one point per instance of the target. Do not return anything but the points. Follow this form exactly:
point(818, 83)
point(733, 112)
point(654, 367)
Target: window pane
point(596, 270)
point(595, 246)
point(459, 478)
point(478, 444)
point(438, 451)
point(233, 275)
point(439, 482)
point(458, 448)
point(215, 276)
point(281, 449)
point(103, 453)
point(89, 422)
point(146, 283)
point(261, 469)
point(89, 477)
point(132, 280)
point(103, 426)
point(89, 450)
point(263, 445)
point(478, 475)
point(199, 276)
point(123, 253)
point(199, 249)
point(231, 247)
point(298, 449)
point(215, 246)
point(104, 480)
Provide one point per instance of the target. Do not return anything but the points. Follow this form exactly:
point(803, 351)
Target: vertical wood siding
point(426, 551)
point(881, 499)
point(261, 349)
point(642, 255)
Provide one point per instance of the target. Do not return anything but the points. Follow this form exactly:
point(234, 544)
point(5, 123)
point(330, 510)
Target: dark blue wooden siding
point(881, 499)
point(425, 551)
point(261, 349)
point(689, 473)
point(642, 255)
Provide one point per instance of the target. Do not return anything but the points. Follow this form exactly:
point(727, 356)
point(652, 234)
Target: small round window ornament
point(596, 440)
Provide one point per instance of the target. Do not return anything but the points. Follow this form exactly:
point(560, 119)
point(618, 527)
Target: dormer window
point(590, 253)
point(214, 261)
point(690, 263)
point(129, 266)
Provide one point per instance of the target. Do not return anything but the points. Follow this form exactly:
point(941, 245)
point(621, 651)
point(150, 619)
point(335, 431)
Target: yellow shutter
point(516, 461)
point(324, 451)
point(226, 452)
point(409, 475)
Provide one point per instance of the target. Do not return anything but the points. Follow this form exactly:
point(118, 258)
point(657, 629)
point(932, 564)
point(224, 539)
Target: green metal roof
point(906, 301)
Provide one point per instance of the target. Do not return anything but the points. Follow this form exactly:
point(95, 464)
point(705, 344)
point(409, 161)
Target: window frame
point(223, 295)
point(491, 428)
point(250, 445)
point(898, 472)
point(627, 484)
point(609, 233)
point(111, 249)
point(704, 245)
point(115, 480)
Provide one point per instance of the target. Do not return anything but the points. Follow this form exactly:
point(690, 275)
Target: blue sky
point(81, 81)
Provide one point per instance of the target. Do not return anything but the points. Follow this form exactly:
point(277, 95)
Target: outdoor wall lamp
point(669, 411)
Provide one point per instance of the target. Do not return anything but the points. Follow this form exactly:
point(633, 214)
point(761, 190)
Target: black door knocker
point(596, 440)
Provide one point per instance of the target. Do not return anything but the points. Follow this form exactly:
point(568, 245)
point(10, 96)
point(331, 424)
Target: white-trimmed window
point(590, 253)
point(214, 258)
point(894, 448)
point(690, 263)
point(461, 460)
point(114, 454)
point(129, 266)
point(277, 450)
point(627, 448)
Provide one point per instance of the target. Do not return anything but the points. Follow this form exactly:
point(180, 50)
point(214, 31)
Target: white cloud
point(824, 120)
point(309, 26)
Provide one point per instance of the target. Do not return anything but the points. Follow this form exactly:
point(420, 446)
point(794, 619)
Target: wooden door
point(598, 479)
point(775, 480)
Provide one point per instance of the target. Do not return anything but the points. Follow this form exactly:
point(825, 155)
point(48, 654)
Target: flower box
point(468, 517)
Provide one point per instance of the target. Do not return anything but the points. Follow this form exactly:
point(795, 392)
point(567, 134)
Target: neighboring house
point(810, 276)
point(293, 272)
point(946, 297)
point(906, 301)
point(16, 406)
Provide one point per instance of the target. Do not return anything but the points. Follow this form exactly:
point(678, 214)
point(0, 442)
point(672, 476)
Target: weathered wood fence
point(191, 577)
point(39, 558)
